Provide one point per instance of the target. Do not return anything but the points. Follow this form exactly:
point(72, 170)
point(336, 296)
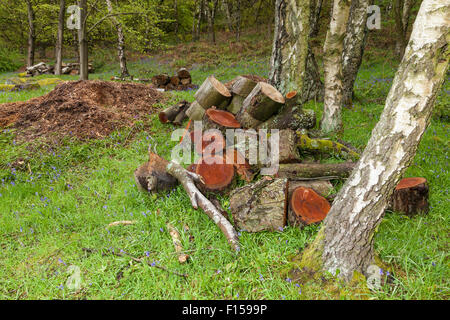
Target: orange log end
point(223, 118)
point(410, 182)
point(216, 173)
point(309, 206)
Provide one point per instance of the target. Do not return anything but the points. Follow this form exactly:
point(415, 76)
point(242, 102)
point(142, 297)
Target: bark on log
point(213, 93)
point(291, 117)
point(411, 196)
point(169, 114)
point(288, 151)
point(180, 116)
point(314, 170)
point(152, 176)
point(187, 179)
point(236, 104)
point(195, 111)
point(247, 121)
point(175, 80)
point(161, 80)
point(260, 206)
point(183, 73)
point(323, 145)
point(262, 102)
point(242, 86)
point(307, 207)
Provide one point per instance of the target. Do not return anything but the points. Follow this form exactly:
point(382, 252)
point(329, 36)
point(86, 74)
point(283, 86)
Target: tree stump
point(307, 207)
point(411, 196)
point(212, 92)
point(152, 176)
point(262, 102)
point(260, 206)
point(217, 175)
point(161, 80)
point(242, 86)
point(195, 111)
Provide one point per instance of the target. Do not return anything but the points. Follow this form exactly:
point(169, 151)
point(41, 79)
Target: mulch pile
point(82, 109)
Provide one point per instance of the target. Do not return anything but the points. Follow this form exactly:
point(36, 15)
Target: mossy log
point(324, 145)
point(195, 111)
point(152, 176)
point(262, 102)
point(292, 117)
point(314, 170)
point(260, 206)
point(212, 92)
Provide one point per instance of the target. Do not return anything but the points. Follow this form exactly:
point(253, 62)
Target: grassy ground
point(56, 203)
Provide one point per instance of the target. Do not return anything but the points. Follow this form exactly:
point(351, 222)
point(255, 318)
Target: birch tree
point(402, 11)
point(345, 240)
point(31, 33)
point(332, 66)
point(60, 37)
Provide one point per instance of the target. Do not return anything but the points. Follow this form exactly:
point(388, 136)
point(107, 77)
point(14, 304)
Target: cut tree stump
point(183, 73)
point(314, 170)
point(169, 114)
point(212, 92)
point(216, 174)
point(411, 196)
point(152, 176)
point(262, 102)
point(291, 99)
point(307, 207)
point(260, 206)
point(195, 111)
point(236, 104)
point(212, 143)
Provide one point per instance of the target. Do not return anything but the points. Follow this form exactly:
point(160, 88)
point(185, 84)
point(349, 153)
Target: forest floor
point(56, 201)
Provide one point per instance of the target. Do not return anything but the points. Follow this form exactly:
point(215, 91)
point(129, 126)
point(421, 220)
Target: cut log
point(175, 80)
point(307, 206)
point(195, 111)
point(292, 99)
point(236, 104)
point(262, 102)
point(181, 116)
point(219, 119)
point(213, 93)
point(212, 143)
point(188, 179)
point(314, 170)
point(216, 174)
point(324, 145)
point(291, 117)
point(260, 206)
point(183, 73)
point(186, 81)
point(288, 151)
point(152, 176)
point(242, 86)
point(161, 80)
point(411, 196)
point(246, 120)
point(169, 114)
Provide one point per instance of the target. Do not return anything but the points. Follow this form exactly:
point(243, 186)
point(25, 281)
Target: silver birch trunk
point(60, 37)
point(354, 43)
point(332, 65)
point(120, 42)
point(345, 241)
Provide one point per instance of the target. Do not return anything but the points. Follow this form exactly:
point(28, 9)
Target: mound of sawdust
point(84, 109)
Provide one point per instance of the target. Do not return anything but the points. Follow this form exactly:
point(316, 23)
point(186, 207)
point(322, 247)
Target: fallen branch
point(121, 223)
point(187, 179)
point(182, 257)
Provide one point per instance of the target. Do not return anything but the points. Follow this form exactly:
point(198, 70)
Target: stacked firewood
point(43, 68)
point(297, 193)
point(182, 80)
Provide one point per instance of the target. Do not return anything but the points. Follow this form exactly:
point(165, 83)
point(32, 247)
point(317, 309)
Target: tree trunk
point(354, 43)
point(332, 65)
point(201, 9)
point(316, 8)
point(345, 241)
point(60, 38)
point(211, 10)
point(228, 11)
point(402, 10)
point(120, 42)
point(31, 34)
point(82, 41)
point(238, 15)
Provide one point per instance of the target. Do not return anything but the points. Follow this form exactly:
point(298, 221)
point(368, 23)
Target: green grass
point(57, 201)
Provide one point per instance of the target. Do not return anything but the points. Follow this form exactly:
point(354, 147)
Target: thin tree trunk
point(402, 10)
point(332, 64)
point(120, 42)
point(238, 15)
point(228, 13)
point(345, 241)
point(31, 34)
point(60, 38)
point(82, 42)
point(354, 43)
point(199, 20)
point(316, 8)
point(211, 10)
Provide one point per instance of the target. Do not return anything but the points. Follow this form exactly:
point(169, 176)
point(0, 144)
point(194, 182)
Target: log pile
point(67, 68)
point(298, 193)
point(182, 80)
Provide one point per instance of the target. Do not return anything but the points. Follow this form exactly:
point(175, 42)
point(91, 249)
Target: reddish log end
point(212, 140)
point(291, 94)
point(410, 182)
point(411, 196)
point(309, 206)
point(216, 173)
point(223, 118)
point(243, 168)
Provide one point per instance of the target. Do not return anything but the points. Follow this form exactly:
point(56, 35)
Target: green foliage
point(10, 60)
